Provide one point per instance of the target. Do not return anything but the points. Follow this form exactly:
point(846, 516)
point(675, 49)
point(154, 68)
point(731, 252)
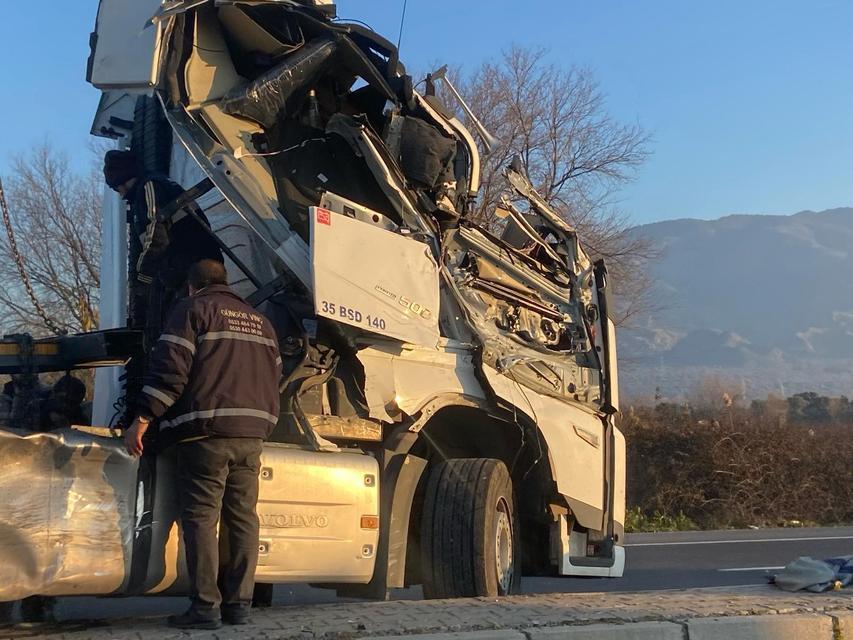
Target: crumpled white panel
point(67, 505)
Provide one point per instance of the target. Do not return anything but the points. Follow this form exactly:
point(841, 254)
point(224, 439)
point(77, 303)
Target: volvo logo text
point(293, 520)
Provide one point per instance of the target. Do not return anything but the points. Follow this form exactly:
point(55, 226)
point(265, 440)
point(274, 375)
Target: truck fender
point(400, 480)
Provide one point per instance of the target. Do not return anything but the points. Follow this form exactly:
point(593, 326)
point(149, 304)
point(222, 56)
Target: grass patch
point(638, 522)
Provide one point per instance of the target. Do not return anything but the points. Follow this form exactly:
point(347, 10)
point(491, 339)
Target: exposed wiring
point(361, 22)
point(535, 421)
point(119, 407)
point(240, 152)
point(200, 48)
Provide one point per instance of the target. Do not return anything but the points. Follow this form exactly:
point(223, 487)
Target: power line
point(402, 22)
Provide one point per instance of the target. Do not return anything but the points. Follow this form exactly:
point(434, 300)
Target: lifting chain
point(19, 261)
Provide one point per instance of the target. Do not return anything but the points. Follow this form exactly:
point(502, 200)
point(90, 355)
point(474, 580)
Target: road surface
point(653, 561)
point(707, 558)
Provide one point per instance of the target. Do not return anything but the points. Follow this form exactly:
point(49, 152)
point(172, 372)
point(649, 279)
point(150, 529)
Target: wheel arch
point(476, 430)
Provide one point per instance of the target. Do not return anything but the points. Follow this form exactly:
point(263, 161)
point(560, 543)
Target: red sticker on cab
point(324, 216)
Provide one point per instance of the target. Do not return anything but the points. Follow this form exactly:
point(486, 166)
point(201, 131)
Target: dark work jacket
point(214, 371)
point(160, 248)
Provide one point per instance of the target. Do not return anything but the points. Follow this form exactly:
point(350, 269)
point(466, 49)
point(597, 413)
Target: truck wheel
point(469, 531)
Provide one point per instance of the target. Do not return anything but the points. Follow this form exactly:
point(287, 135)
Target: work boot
point(192, 619)
point(235, 614)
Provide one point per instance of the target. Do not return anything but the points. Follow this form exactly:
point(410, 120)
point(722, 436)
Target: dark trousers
point(218, 477)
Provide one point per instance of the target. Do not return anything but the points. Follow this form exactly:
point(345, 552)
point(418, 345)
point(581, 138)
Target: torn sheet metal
point(373, 279)
point(402, 379)
point(68, 514)
point(249, 197)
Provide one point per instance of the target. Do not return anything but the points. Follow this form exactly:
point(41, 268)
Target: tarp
point(816, 575)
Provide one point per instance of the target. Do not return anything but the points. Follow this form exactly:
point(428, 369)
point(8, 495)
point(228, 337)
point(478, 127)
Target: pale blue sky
point(750, 103)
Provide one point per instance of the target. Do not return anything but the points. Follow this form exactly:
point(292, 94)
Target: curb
point(459, 635)
point(783, 627)
point(831, 626)
point(843, 625)
point(630, 631)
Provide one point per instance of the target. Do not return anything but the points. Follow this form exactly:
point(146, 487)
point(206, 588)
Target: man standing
point(213, 385)
point(160, 252)
point(162, 249)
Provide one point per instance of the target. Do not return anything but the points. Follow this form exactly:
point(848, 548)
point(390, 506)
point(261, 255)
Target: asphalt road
point(707, 559)
point(654, 561)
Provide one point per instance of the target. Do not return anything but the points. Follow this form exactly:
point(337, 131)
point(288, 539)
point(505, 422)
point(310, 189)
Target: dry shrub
point(734, 469)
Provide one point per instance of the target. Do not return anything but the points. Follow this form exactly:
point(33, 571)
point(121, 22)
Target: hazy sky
point(750, 103)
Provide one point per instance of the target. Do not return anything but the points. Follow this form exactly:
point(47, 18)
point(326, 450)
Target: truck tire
point(152, 136)
point(469, 531)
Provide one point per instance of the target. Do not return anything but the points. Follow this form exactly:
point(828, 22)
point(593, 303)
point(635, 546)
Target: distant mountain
point(766, 300)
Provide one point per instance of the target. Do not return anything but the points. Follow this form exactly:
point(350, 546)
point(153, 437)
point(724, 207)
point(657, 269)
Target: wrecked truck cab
point(430, 361)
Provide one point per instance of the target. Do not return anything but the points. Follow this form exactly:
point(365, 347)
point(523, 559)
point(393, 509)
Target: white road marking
point(764, 540)
point(752, 569)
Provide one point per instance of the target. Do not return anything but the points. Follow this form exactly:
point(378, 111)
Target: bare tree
point(575, 154)
point(52, 242)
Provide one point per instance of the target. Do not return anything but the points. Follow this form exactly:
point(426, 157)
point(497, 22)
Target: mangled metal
point(264, 100)
point(320, 107)
point(393, 305)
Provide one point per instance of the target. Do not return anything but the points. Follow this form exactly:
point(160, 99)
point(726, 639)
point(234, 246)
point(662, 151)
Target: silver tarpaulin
point(67, 522)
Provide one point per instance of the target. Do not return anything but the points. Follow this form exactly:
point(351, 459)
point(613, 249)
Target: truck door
point(125, 46)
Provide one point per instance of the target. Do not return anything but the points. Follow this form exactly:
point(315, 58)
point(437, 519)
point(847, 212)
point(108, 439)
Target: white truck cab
point(450, 387)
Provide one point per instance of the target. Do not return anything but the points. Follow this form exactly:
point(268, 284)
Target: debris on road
point(815, 575)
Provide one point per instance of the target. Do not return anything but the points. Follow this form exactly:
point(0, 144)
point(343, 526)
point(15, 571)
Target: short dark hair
point(207, 272)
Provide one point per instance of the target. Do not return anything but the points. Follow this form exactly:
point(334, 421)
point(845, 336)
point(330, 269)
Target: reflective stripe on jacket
point(214, 371)
point(165, 248)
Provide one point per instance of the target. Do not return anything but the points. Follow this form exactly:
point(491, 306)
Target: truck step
point(338, 428)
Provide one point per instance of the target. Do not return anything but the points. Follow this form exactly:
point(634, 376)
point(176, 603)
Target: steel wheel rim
point(503, 546)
